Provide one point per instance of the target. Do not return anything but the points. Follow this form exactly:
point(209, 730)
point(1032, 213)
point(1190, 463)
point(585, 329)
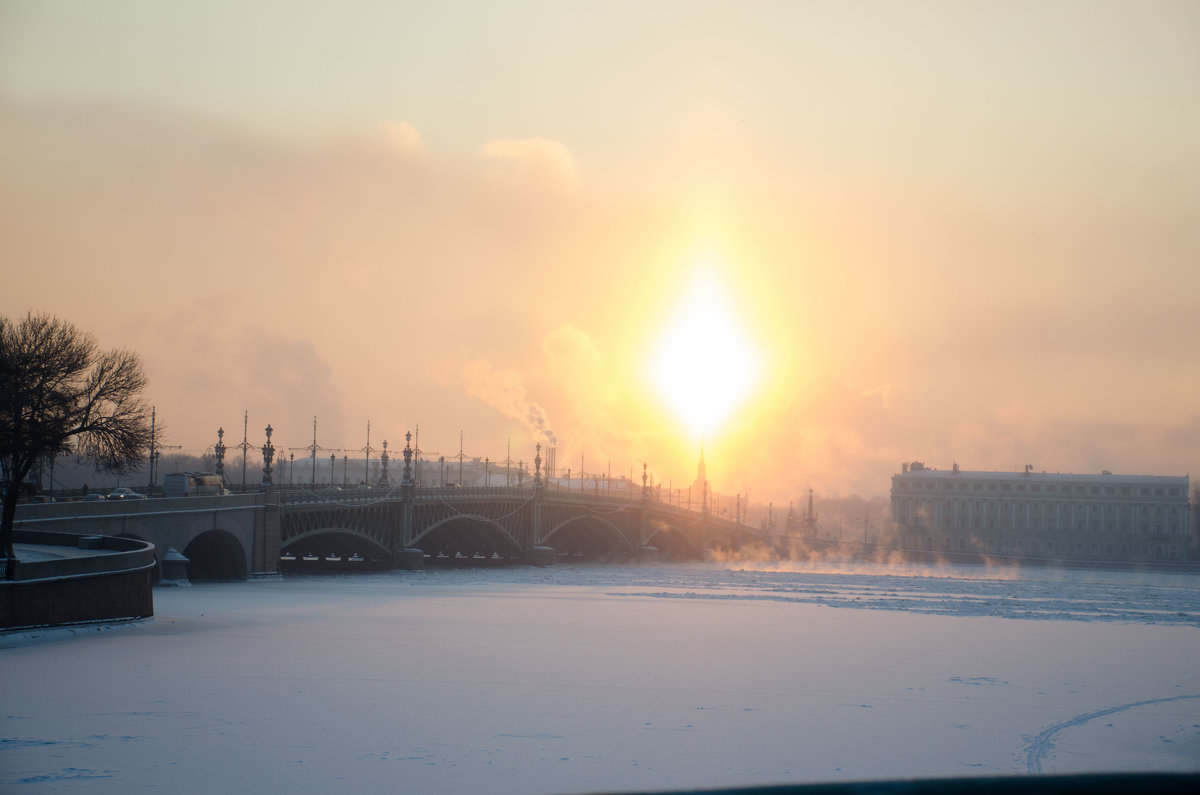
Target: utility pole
point(417, 453)
point(245, 445)
point(367, 453)
point(314, 455)
point(155, 451)
point(460, 458)
point(419, 457)
point(152, 456)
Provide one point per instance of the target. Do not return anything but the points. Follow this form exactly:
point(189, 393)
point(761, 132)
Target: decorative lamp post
point(537, 468)
point(332, 466)
point(487, 481)
point(291, 468)
point(268, 453)
point(408, 456)
point(442, 464)
point(219, 452)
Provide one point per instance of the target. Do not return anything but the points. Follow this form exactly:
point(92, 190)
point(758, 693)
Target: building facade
point(1101, 517)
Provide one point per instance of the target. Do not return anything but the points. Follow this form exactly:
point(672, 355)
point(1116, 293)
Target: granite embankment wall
point(102, 579)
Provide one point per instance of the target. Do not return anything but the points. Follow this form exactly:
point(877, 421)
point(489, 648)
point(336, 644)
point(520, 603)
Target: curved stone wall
point(113, 582)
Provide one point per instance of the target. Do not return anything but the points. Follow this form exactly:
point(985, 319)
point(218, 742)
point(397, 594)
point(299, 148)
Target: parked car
point(125, 494)
point(91, 498)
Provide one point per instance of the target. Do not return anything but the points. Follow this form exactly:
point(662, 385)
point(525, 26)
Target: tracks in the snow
point(1041, 745)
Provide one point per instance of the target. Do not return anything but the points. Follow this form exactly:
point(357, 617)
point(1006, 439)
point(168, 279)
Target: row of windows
point(1042, 546)
point(1124, 509)
point(1124, 491)
point(1039, 512)
point(1079, 526)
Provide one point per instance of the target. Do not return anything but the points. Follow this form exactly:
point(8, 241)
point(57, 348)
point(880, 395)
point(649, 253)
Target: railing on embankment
point(113, 583)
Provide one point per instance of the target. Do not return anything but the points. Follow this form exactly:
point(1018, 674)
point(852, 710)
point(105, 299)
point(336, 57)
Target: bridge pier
point(408, 559)
point(404, 557)
point(541, 555)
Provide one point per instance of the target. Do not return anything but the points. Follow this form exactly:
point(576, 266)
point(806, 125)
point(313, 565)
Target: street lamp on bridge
point(219, 453)
point(268, 453)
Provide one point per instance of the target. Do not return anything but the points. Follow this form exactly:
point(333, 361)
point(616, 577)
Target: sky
point(953, 232)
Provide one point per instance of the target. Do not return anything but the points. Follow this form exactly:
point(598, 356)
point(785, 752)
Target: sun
point(704, 365)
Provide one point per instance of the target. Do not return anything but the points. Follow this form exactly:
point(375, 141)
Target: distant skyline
point(953, 232)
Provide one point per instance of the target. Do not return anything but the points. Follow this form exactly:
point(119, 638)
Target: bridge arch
point(673, 542)
point(589, 535)
point(346, 540)
point(467, 535)
point(216, 555)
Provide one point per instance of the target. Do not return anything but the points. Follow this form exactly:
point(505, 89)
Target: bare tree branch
point(58, 393)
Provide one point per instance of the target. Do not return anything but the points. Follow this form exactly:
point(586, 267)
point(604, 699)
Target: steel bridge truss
point(496, 522)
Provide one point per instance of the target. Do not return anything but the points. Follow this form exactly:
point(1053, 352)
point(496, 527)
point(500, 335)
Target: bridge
point(238, 536)
point(499, 523)
point(235, 536)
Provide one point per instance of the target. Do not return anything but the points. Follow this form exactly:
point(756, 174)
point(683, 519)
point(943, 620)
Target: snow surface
point(606, 678)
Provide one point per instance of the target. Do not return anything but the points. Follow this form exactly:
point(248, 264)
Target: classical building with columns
point(1101, 517)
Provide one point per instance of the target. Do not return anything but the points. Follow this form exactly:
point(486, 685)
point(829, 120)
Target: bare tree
point(59, 394)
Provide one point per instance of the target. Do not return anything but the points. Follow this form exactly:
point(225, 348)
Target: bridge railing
point(361, 494)
point(475, 492)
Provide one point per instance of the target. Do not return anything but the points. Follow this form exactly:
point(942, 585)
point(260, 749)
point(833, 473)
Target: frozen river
point(605, 678)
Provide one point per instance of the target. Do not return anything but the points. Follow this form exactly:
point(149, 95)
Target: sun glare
point(704, 365)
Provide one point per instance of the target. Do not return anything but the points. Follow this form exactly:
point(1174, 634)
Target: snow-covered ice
point(590, 678)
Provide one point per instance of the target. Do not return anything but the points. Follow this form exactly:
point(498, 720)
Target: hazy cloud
point(538, 161)
point(403, 137)
point(209, 364)
point(590, 399)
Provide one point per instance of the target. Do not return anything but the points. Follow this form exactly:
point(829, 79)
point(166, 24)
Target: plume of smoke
point(504, 391)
